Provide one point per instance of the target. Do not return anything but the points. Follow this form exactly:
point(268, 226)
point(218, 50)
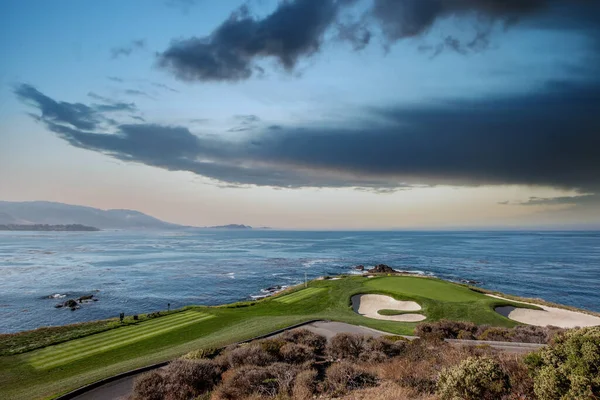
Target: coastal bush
point(344, 376)
point(521, 382)
point(251, 354)
point(272, 346)
point(186, 378)
point(444, 329)
point(345, 346)
point(247, 380)
point(497, 334)
point(296, 353)
point(569, 368)
point(383, 345)
point(201, 353)
point(270, 381)
point(305, 385)
point(474, 379)
point(305, 337)
point(149, 386)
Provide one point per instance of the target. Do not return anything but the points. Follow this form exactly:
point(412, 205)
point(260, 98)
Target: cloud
point(580, 200)
point(165, 87)
point(115, 79)
point(549, 138)
point(77, 115)
point(136, 92)
point(135, 45)
point(297, 30)
point(294, 30)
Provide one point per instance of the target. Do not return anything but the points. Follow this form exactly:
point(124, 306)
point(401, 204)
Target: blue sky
point(337, 125)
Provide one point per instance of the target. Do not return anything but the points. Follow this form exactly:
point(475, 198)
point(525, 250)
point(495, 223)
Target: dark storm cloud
point(78, 115)
point(297, 30)
point(550, 138)
point(117, 52)
point(294, 30)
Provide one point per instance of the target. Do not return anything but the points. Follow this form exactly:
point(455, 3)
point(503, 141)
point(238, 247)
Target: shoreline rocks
point(75, 304)
point(382, 269)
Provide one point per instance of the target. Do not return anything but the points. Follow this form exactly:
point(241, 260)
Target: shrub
point(305, 337)
point(521, 383)
point(276, 379)
point(384, 346)
point(252, 354)
point(272, 346)
point(201, 353)
point(198, 376)
point(345, 346)
point(395, 338)
point(473, 379)
point(344, 376)
point(296, 353)
point(569, 368)
point(465, 335)
point(443, 329)
point(305, 385)
point(247, 380)
point(497, 334)
point(535, 334)
point(149, 386)
point(285, 375)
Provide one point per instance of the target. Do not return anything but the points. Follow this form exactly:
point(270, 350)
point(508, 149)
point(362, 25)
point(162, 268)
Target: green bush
point(473, 379)
point(201, 354)
point(569, 368)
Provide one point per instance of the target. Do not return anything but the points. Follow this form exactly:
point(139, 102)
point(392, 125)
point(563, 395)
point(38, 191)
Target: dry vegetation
point(302, 365)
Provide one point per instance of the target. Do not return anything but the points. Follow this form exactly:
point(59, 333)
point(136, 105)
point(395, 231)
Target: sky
point(306, 114)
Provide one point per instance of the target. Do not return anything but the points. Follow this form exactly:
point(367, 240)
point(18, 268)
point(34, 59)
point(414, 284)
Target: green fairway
point(65, 353)
point(58, 368)
point(299, 295)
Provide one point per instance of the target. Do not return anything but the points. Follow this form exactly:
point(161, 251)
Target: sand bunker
point(368, 306)
point(547, 316)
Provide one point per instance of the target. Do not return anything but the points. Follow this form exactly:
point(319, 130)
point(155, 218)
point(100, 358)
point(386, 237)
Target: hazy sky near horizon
point(328, 114)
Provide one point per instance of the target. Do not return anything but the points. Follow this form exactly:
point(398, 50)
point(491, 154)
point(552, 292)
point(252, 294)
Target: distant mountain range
point(50, 213)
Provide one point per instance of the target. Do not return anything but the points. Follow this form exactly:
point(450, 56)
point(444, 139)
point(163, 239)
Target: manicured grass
point(395, 312)
point(65, 353)
point(21, 342)
point(299, 295)
point(62, 367)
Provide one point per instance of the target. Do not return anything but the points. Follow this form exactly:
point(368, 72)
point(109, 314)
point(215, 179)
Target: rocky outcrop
point(382, 269)
point(470, 282)
point(360, 268)
point(75, 304)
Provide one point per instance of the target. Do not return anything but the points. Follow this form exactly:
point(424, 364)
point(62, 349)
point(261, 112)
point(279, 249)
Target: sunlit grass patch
point(299, 295)
point(65, 353)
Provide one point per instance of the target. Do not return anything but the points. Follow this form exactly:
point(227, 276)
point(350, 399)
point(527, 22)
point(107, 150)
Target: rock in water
point(382, 269)
point(360, 268)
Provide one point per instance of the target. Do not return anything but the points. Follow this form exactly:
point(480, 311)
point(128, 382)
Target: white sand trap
point(547, 316)
point(368, 306)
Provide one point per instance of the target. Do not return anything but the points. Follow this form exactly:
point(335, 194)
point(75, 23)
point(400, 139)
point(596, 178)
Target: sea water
point(144, 271)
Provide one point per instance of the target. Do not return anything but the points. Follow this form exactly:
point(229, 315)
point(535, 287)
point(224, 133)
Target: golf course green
point(55, 369)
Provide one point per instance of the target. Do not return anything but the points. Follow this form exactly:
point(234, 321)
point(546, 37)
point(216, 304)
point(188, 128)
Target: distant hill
point(48, 228)
point(231, 226)
point(50, 213)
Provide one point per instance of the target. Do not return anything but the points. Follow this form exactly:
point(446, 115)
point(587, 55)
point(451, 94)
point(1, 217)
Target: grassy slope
point(41, 373)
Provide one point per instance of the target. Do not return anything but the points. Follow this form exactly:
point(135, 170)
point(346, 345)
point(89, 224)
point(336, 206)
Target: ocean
point(144, 271)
